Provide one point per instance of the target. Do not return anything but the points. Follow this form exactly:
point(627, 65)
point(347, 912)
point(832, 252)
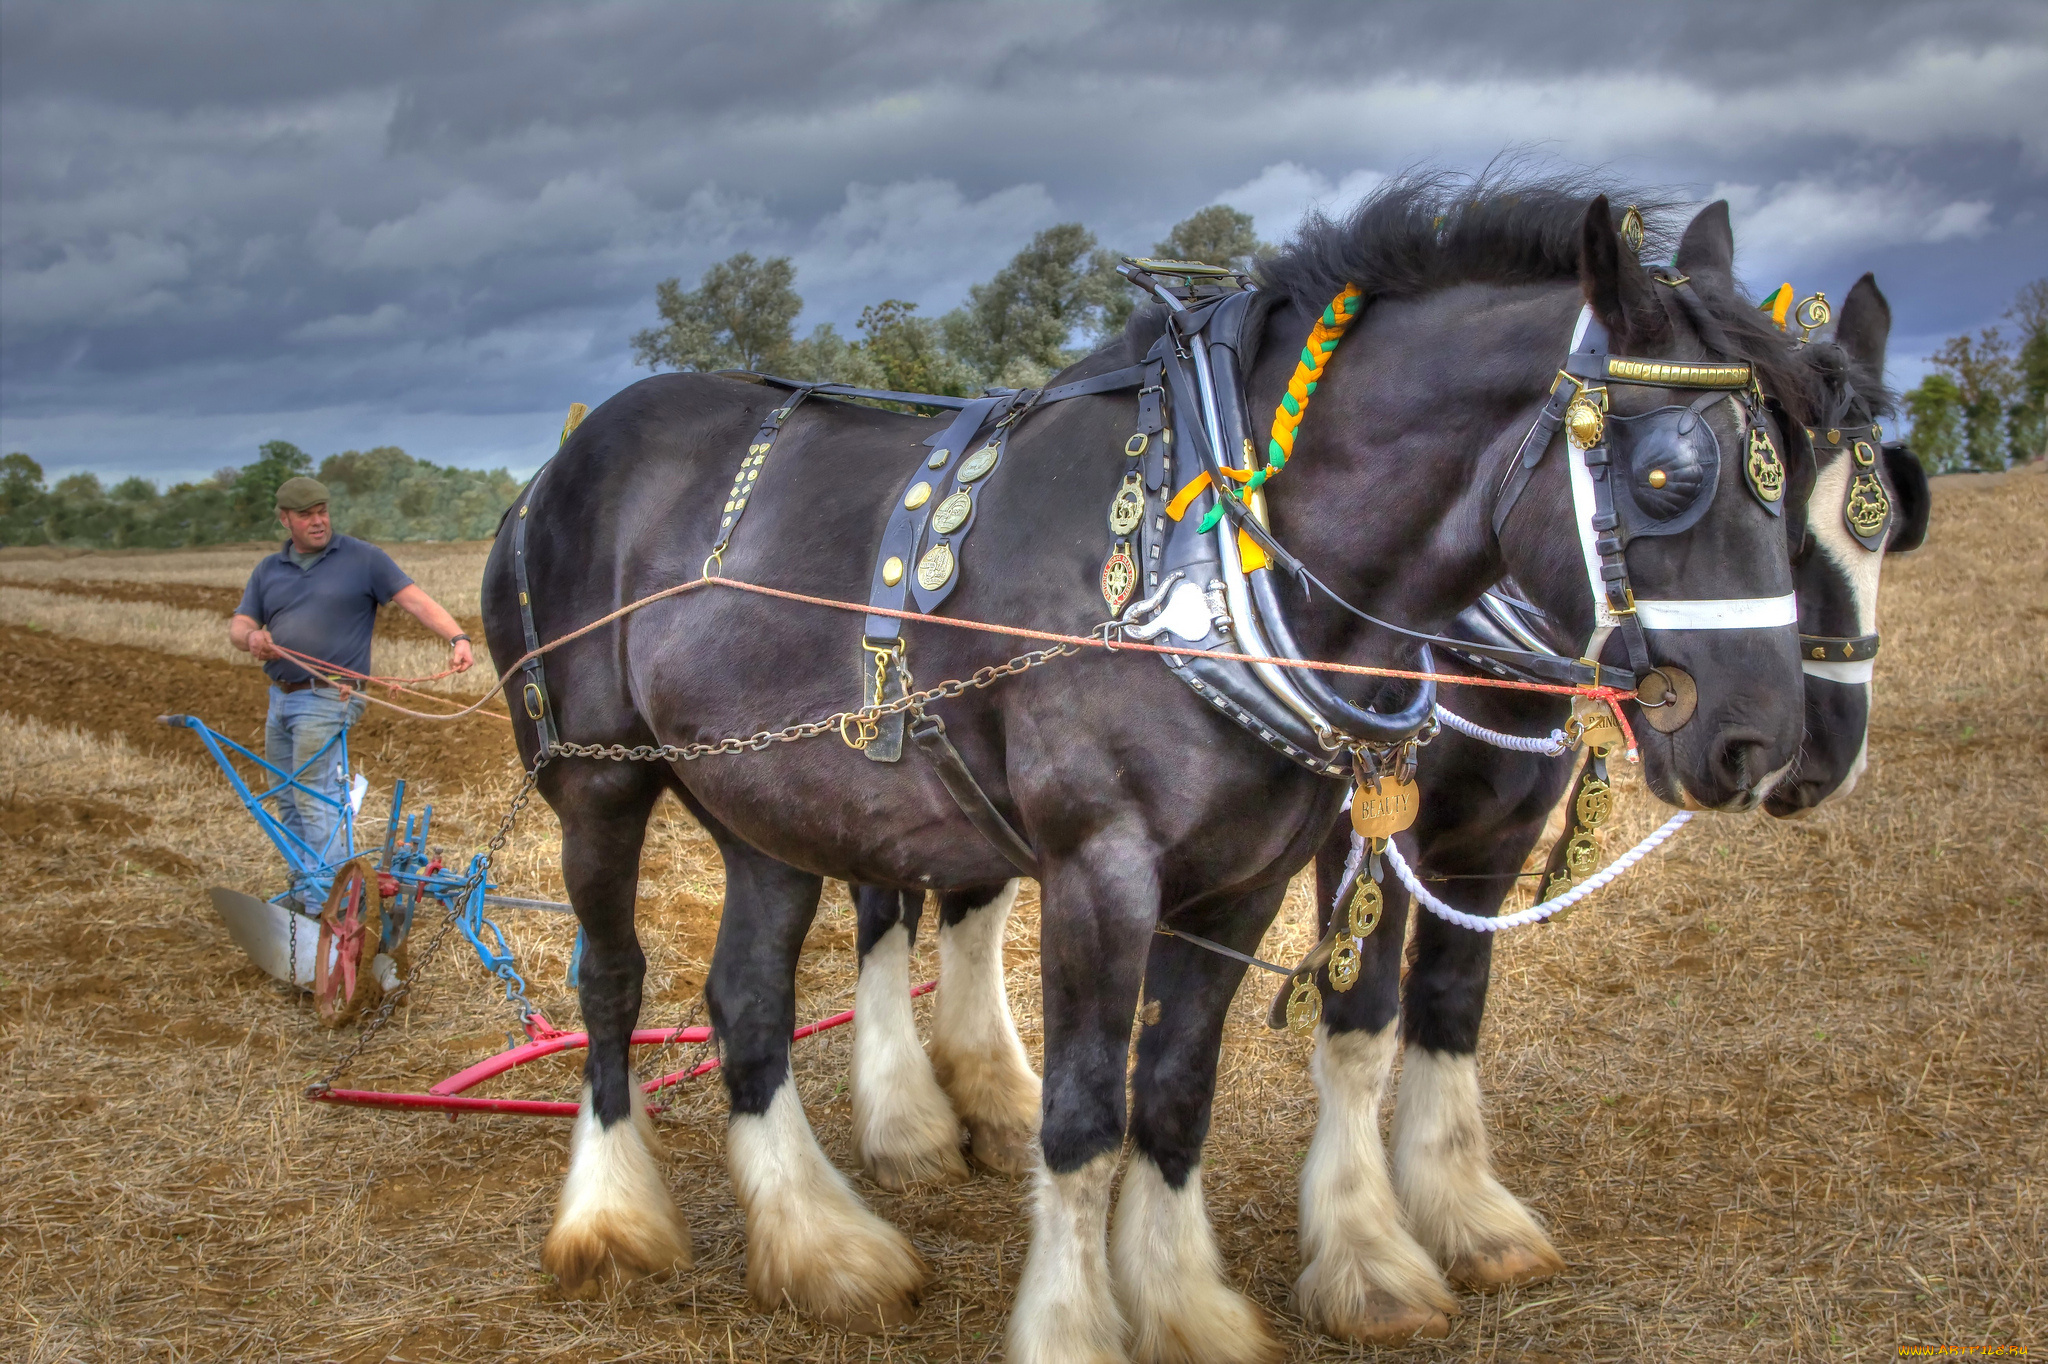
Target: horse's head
point(1869, 499)
point(1675, 479)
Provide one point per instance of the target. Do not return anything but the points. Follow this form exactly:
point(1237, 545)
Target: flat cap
point(300, 494)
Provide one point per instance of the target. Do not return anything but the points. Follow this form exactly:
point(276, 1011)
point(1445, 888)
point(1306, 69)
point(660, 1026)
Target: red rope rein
point(1611, 695)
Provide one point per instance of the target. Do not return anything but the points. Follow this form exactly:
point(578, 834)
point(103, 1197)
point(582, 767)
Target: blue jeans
point(300, 723)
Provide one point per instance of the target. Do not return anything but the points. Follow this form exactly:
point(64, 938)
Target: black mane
point(1429, 230)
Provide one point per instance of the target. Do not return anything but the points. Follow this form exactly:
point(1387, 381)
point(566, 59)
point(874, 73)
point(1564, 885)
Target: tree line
point(377, 494)
point(1057, 299)
point(1985, 404)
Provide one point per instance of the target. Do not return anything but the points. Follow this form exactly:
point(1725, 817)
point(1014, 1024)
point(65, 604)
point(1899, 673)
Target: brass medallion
point(1766, 471)
point(1127, 508)
point(1868, 507)
point(952, 512)
point(1344, 963)
point(1304, 1007)
point(1593, 724)
point(1581, 855)
point(935, 568)
point(1583, 422)
point(1383, 809)
point(939, 458)
point(1595, 804)
point(1119, 577)
point(979, 463)
point(1559, 884)
point(1632, 229)
point(919, 494)
point(892, 571)
point(1366, 903)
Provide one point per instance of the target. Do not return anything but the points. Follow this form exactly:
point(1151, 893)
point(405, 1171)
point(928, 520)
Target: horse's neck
point(1390, 494)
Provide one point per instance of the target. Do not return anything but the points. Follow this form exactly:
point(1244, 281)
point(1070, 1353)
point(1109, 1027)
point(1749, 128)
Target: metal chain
point(838, 721)
point(753, 743)
point(419, 964)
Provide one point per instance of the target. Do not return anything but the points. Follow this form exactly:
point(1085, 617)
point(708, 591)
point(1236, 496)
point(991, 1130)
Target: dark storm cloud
point(437, 224)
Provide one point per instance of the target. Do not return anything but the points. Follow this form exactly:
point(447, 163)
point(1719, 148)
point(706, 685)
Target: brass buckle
point(1627, 610)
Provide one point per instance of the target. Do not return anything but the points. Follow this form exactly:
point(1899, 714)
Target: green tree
point(1216, 235)
point(827, 357)
point(21, 484)
point(1986, 384)
point(1935, 410)
point(741, 315)
point(1018, 327)
point(252, 500)
point(2028, 424)
point(910, 351)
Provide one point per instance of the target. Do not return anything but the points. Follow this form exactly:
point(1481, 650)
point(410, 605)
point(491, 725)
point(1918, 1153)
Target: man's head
point(302, 507)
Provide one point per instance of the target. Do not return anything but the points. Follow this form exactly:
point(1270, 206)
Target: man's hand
point(465, 657)
point(245, 634)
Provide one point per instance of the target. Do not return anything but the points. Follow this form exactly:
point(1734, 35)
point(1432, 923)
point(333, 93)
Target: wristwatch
point(454, 640)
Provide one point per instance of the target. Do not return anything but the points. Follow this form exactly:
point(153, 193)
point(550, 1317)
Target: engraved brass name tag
point(1384, 808)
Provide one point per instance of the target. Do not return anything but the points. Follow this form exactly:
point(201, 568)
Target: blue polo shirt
point(326, 609)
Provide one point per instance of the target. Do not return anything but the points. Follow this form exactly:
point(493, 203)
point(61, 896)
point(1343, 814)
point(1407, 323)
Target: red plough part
point(544, 1040)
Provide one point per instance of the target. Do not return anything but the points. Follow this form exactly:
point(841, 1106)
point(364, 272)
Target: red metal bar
point(447, 1096)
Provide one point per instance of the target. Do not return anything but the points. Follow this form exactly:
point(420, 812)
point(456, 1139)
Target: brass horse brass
point(1383, 809)
point(1366, 904)
point(1766, 471)
point(1668, 704)
point(978, 463)
point(951, 513)
point(1344, 963)
point(935, 567)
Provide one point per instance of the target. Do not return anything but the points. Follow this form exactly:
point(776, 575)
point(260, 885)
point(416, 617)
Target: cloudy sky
point(436, 225)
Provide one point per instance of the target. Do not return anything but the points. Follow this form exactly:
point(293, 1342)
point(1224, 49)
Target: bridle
point(1615, 500)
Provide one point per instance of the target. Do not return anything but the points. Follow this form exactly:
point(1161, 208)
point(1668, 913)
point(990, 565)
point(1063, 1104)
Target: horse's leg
point(1363, 1276)
point(1100, 903)
point(1443, 1167)
point(975, 1048)
point(615, 1215)
point(810, 1239)
point(1169, 1274)
point(903, 1126)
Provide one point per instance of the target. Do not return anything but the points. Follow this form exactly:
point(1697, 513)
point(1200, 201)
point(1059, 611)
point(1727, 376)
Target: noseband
point(1658, 479)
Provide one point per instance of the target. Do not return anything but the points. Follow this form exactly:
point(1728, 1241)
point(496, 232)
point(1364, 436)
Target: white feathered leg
point(1364, 1277)
point(1169, 1277)
point(1065, 1312)
point(1443, 1169)
point(904, 1126)
point(615, 1219)
point(975, 1051)
point(810, 1240)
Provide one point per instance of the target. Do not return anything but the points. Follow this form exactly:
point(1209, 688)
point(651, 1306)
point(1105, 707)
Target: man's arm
point(245, 634)
point(430, 613)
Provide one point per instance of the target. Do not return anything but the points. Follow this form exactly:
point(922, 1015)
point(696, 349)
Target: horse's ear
point(1614, 281)
point(1864, 327)
point(1707, 250)
point(1909, 481)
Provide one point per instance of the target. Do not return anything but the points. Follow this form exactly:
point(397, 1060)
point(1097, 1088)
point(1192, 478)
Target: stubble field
point(1779, 1094)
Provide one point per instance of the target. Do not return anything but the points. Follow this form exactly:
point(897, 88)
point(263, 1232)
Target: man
point(318, 595)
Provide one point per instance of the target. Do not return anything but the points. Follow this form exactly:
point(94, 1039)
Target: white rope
point(1558, 742)
point(1534, 913)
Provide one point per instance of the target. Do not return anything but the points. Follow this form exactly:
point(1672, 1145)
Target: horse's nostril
point(1739, 760)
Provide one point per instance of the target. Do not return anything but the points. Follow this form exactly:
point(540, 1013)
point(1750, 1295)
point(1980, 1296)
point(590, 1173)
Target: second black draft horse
point(1141, 804)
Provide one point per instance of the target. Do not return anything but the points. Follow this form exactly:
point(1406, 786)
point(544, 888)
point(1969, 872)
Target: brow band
point(1667, 374)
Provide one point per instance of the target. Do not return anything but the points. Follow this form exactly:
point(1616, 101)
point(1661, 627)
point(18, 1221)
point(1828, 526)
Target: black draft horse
point(1439, 1212)
point(1142, 804)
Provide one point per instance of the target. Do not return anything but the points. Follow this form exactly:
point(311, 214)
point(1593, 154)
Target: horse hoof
point(1004, 1149)
point(596, 1254)
point(904, 1170)
point(1380, 1318)
point(1504, 1267)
